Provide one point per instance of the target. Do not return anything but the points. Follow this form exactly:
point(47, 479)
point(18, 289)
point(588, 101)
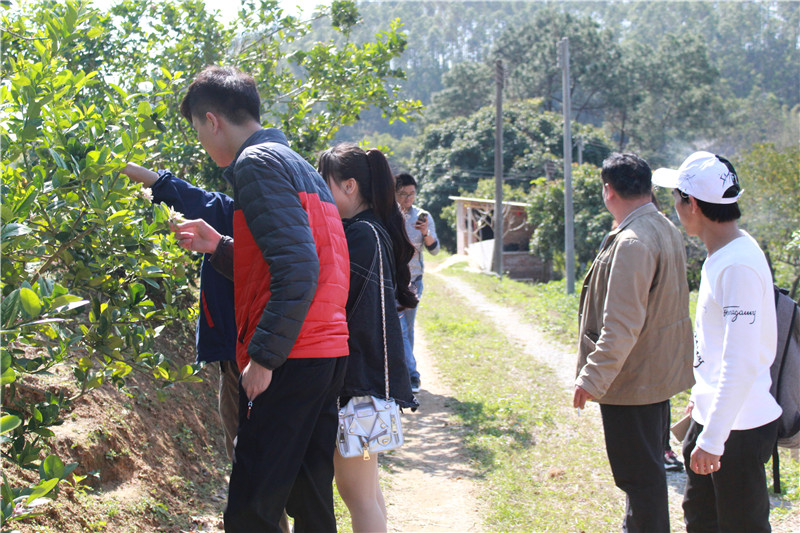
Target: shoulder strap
point(383, 307)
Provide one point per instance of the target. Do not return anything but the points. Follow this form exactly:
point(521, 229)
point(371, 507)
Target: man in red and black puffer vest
point(291, 278)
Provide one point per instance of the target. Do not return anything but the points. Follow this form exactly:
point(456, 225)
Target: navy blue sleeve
point(215, 208)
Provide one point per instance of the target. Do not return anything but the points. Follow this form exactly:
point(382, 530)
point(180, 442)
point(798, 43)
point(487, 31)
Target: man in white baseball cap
point(734, 425)
point(705, 176)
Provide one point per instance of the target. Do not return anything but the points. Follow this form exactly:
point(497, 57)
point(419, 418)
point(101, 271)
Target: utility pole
point(579, 141)
point(498, 170)
point(569, 230)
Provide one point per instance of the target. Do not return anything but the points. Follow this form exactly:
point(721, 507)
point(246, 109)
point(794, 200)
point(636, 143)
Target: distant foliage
point(546, 215)
point(664, 78)
point(454, 155)
point(771, 207)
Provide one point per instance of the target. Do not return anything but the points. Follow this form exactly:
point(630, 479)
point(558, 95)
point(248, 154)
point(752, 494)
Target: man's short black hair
point(715, 212)
point(223, 90)
point(628, 174)
point(404, 179)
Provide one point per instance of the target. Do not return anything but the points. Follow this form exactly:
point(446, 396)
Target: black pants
point(635, 445)
point(735, 497)
point(284, 451)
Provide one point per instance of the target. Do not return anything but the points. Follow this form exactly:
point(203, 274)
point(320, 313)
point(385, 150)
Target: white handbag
point(368, 423)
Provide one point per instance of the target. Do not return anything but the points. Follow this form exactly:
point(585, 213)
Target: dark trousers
point(635, 445)
point(284, 450)
point(735, 497)
point(229, 402)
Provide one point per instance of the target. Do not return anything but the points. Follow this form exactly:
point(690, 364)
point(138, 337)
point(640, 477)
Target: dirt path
point(432, 485)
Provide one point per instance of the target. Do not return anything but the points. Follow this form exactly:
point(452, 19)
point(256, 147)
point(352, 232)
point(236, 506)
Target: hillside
point(151, 465)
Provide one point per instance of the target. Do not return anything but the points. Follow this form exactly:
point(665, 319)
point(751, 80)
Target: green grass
point(543, 468)
point(530, 449)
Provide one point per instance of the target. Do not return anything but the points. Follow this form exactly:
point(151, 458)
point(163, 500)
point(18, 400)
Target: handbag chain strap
point(383, 309)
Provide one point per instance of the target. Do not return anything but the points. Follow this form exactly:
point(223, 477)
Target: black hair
point(223, 90)
point(404, 179)
point(628, 174)
point(376, 187)
point(715, 212)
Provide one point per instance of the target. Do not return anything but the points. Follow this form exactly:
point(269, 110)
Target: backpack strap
point(776, 469)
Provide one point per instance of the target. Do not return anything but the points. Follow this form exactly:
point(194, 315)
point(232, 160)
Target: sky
point(229, 8)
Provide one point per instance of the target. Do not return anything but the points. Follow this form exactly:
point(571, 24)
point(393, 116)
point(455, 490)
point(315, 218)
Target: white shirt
point(416, 265)
point(735, 340)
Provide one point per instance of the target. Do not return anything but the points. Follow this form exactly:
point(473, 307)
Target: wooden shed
point(475, 238)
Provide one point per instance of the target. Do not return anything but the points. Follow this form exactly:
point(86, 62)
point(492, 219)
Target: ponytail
point(386, 209)
point(376, 186)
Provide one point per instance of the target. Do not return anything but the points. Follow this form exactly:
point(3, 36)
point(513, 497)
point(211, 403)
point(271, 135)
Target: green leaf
point(9, 376)
point(144, 108)
point(22, 209)
point(65, 301)
point(51, 467)
point(71, 18)
point(14, 229)
point(9, 309)
point(137, 291)
point(161, 213)
point(42, 489)
point(9, 423)
point(121, 214)
point(30, 302)
point(59, 160)
point(5, 492)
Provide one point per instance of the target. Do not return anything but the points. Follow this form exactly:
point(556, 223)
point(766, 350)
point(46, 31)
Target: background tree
point(546, 215)
point(750, 43)
point(441, 34)
point(530, 51)
point(771, 207)
point(454, 155)
point(468, 86)
point(679, 98)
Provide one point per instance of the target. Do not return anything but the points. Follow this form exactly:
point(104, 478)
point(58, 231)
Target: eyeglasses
point(681, 193)
point(406, 194)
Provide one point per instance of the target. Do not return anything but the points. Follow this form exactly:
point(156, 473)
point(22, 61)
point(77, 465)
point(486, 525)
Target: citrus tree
point(90, 273)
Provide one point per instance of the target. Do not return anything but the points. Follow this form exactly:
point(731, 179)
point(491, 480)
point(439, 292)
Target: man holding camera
point(421, 232)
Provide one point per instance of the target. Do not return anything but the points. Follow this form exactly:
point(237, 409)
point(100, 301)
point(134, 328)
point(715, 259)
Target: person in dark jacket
point(291, 280)
point(216, 323)
point(363, 187)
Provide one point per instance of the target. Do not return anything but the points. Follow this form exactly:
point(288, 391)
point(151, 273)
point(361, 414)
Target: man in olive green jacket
point(635, 347)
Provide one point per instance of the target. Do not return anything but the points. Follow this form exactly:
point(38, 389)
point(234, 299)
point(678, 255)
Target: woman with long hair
point(363, 187)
